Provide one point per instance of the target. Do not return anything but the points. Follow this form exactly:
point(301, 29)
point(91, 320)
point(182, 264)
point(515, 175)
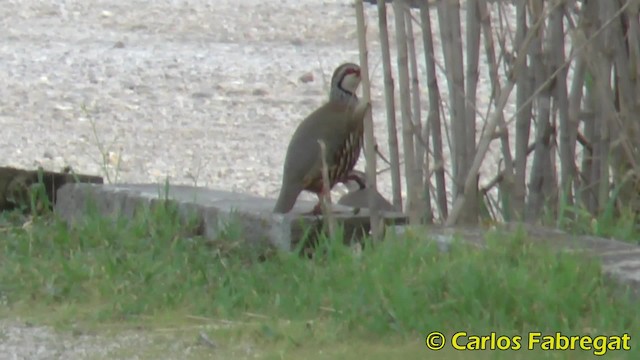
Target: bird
point(358, 194)
point(339, 123)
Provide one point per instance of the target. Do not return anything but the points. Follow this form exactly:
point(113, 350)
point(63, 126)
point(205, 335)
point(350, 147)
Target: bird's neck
point(343, 96)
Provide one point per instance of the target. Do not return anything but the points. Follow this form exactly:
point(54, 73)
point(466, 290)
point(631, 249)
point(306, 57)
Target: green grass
point(150, 271)
point(613, 221)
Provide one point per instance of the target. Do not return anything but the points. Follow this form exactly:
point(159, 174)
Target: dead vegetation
point(572, 141)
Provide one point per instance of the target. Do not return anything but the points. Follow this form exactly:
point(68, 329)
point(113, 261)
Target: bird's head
point(345, 81)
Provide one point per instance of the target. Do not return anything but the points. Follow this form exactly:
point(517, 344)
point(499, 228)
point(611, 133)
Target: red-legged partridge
point(339, 123)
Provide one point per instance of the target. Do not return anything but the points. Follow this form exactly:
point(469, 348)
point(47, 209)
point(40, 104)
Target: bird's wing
point(329, 122)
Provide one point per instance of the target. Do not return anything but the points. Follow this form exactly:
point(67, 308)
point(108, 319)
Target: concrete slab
point(620, 260)
point(216, 210)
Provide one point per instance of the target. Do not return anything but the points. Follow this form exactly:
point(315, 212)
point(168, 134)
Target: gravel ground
point(174, 88)
point(20, 340)
point(200, 90)
point(23, 340)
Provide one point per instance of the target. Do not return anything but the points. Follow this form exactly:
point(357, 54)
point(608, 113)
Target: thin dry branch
point(325, 200)
point(542, 177)
point(575, 99)
point(463, 128)
point(561, 97)
point(433, 119)
point(421, 144)
point(392, 135)
point(549, 80)
point(485, 140)
point(508, 173)
point(369, 140)
point(471, 86)
point(523, 119)
point(399, 7)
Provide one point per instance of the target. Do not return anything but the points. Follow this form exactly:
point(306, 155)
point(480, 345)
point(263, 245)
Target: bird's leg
point(317, 210)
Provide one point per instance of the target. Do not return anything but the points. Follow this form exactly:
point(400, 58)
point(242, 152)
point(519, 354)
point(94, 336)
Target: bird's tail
point(286, 199)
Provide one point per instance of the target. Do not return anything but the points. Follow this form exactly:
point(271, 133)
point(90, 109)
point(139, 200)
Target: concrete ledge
point(215, 210)
point(620, 260)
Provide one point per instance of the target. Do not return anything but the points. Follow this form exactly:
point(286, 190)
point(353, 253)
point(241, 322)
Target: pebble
point(306, 77)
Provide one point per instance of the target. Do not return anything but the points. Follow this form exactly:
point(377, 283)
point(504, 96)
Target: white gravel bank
point(178, 88)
